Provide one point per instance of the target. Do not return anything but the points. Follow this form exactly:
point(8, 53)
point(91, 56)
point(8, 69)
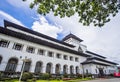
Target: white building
point(46, 54)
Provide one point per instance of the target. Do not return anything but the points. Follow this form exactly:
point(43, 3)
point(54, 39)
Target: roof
point(7, 23)
point(39, 41)
point(71, 36)
point(95, 54)
point(91, 60)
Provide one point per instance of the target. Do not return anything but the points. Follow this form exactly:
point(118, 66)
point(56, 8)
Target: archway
point(38, 67)
point(71, 69)
point(49, 68)
point(65, 69)
point(11, 65)
point(57, 69)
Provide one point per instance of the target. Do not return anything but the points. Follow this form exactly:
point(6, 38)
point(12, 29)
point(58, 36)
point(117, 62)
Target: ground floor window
point(27, 66)
point(65, 68)
point(49, 68)
point(38, 67)
point(11, 65)
point(57, 69)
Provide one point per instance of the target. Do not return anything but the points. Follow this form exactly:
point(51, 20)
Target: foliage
point(79, 76)
point(65, 75)
point(45, 76)
point(89, 11)
point(26, 76)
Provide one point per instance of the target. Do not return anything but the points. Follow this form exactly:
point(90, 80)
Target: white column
point(32, 68)
point(19, 67)
point(61, 69)
point(11, 45)
point(68, 69)
point(3, 65)
point(24, 48)
point(46, 52)
point(53, 69)
point(44, 68)
point(36, 50)
point(74, 70)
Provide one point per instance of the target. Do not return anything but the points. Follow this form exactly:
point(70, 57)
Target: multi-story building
point(42, 54)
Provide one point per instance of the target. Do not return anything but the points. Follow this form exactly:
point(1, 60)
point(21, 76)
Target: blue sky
point(104, 41)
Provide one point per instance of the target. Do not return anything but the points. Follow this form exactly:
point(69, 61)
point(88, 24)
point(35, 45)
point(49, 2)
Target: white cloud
point(104, 41)
point(5, 16)
point(44, 27)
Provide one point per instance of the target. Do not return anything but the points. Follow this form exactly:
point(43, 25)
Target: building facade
point(42, 54)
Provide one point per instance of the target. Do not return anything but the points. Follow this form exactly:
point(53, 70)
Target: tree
point(97, 12)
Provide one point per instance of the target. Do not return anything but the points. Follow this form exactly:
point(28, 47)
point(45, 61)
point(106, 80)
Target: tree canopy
point(97, 12)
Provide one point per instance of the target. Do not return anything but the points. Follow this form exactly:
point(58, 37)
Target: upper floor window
point(65, 57)
point(76, 59)
point(41, 51)
point(71, 58)
point(4, 43)
point(30, 49)
point(17, 46)
point(58, 55)
point(50, 54)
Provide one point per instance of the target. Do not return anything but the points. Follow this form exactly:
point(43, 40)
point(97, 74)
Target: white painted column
point(19, 67)
point(32, 68)
point(3, 65)
point(68, 70)
point(46, 52)
point(53, 69)
point(11, 44)
point(24, 48)
point(61, 69)
point(36, 50)
point(44, 68)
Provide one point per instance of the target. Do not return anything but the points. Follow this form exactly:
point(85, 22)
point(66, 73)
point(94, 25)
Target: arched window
point(57, 69)
point(65, 69)
point(38, 67)
point(11, 65)
point(27, 66)
point(49, 68)
point(77, 70)
point(71, 70)
point(0, 59)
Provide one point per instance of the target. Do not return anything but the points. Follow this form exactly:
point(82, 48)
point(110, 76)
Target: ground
point(104, 80)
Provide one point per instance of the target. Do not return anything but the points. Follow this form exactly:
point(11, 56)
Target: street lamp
point(22, 70)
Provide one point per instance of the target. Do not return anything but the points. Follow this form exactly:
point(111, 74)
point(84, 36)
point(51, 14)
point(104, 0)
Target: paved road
point(105, 80)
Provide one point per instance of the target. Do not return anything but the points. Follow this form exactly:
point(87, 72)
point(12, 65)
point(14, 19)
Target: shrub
point(26, 76)
point(65, 75)
point(44, 76)
point(79, 76)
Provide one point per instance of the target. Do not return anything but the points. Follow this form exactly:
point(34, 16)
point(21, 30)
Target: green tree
point(97, 12)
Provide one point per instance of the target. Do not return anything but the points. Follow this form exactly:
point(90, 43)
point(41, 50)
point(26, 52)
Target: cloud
point(43, 26)
point(104, 41)
point(5, 16)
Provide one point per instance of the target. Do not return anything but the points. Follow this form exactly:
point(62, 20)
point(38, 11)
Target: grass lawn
point(76, 80)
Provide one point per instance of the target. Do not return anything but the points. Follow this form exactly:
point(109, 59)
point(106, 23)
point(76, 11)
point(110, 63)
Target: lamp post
point(22, 70)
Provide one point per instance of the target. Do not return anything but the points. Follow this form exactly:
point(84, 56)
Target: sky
point(104, 41)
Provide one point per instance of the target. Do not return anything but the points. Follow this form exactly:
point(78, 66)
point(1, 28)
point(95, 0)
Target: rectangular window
point(58, 55)
point(76, 59)
point(71, 58)
point(17, 46)
point(4, 43)
point(30, 49)
point(50, 54)
point(41, 52)
point(65, 57)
